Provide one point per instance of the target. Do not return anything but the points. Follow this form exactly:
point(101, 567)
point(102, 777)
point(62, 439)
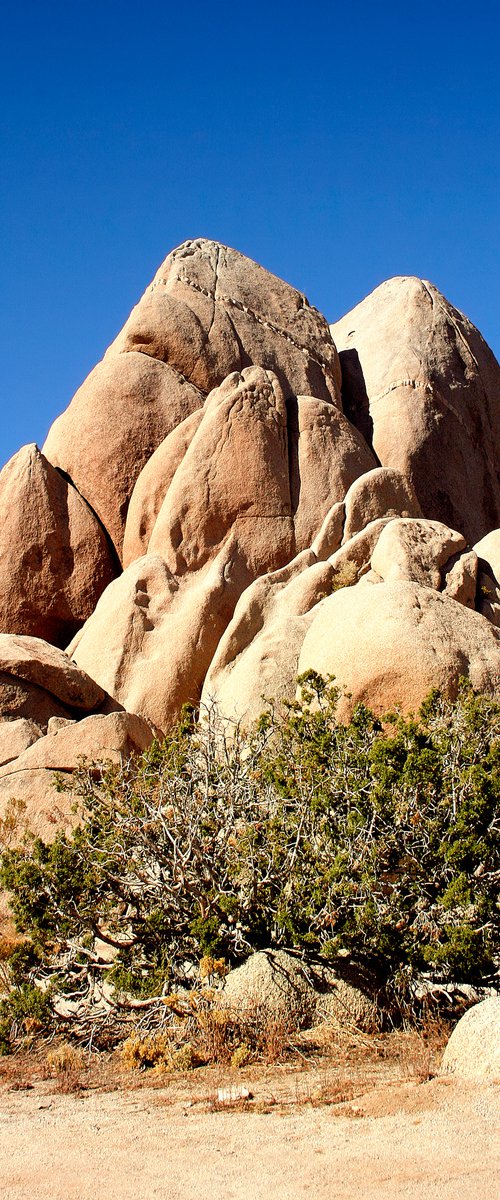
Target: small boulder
point(473, 1050)
point(381, 492)
point(274, 985)
point(415, 550)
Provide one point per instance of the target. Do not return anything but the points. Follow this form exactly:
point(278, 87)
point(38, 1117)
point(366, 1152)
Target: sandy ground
point(396, 1142)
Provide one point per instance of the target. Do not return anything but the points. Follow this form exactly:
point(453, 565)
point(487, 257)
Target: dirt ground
point(359, 1122)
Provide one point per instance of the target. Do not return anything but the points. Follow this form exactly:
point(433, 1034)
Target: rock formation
point(239, 492)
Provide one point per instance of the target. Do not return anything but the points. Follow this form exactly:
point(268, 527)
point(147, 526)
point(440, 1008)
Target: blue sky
point(338, 144)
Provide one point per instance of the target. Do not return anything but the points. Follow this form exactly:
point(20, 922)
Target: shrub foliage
point(374, 842)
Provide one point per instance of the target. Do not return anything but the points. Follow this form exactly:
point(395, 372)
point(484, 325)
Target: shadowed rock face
point(423, 387)
point(275, 506)
point(55, 557)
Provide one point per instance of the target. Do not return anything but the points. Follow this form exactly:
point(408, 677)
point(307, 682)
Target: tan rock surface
point(473, 1050)
point(391, 643)
point(326, 455)
point(256, 660)
point(381, 492)
point(30, 778)
point(151, 639)
point(488, 591)
point(274, 981)
point(329, 536)
point(16, 736)
point(21, 699)
point(415, 550)
point(233, 480)
point(33, 660)
point(152, 486)
point(460, 578)
point(423, 387)
point(210, 311)
point(55, 558)
point(121, 413)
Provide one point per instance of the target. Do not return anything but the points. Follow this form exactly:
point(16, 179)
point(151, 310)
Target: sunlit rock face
point(239, 492)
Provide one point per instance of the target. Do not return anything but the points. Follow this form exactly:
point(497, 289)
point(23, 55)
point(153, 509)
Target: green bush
point(374, 842)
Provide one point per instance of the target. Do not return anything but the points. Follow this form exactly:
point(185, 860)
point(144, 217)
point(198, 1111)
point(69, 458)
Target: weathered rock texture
point(55, 558)
point(423, 387)
point(275, 506)
point(473, 1049)
point(208, 312)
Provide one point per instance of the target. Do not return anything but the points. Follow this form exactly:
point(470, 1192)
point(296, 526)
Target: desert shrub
point(374, 842)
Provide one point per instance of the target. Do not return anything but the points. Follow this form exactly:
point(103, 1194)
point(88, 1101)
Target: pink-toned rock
point(460, 578)
point(97, 738)
point(21, 699)
point(152, 486)
point(125, 408)
point(257, 658)
point(329, 536)
point(415, 550)
point(30, 779)
point(233, 480)
point(326, 455)
point(382, 492)
point(33, 660)
point(423, 387)
point(16, 736)
point(391, 643)
point(152, 636)
point(210, 311)
point(352, 560)
point(55, 559)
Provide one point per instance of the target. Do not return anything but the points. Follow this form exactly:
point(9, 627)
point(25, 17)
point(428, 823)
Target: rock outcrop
point(208, 312)
point(275, 505)
point(55, 558)
point(391, 643)
point(423, 387)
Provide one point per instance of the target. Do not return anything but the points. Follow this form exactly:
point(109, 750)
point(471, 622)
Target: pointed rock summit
point(239, 492)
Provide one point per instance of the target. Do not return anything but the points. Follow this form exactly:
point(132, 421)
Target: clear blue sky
point(338, 144)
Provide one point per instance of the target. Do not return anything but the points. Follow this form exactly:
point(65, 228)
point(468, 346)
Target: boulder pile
point(239, 492)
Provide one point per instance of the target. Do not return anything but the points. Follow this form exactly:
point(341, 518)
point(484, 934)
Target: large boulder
point(55, 558)
point(256, 661)
point(152, 486)
point(121, 413)
point(415, 550)
point(27, 785)
point(208, 312)
point(423, 387)
point(390, 643)
point(381, 492)
point(233, 481)
point(473, 1050)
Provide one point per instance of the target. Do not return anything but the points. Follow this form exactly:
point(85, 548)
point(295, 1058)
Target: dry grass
point(325, 1066)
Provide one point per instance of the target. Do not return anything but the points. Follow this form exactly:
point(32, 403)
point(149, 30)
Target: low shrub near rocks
point(369, 847)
